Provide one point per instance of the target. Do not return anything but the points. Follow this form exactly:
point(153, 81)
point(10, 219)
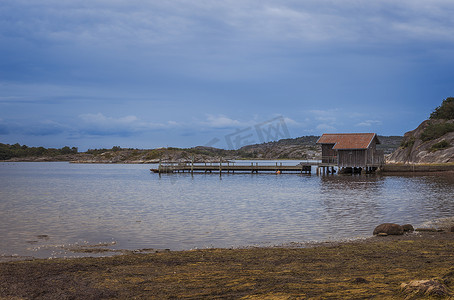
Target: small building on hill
point(351, 150)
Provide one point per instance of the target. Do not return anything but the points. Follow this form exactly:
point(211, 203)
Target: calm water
point(44, 206)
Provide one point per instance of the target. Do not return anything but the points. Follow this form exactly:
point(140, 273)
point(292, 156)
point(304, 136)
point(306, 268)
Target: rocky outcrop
point(417, 148)
point(424, 288)
point(389, 229)
point(408, 228)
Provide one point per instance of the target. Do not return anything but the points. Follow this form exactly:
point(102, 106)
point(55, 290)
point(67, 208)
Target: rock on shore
point(389, 229)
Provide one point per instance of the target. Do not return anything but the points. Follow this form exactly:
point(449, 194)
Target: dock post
point(220, 166)
point(192, 165)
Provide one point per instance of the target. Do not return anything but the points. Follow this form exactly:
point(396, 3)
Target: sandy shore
point(362, 269)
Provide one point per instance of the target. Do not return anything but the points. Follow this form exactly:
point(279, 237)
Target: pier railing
point(328, 159)
point(378, 159)
point(303, 166)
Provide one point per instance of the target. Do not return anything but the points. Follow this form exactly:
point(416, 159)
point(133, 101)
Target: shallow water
point(46, 207)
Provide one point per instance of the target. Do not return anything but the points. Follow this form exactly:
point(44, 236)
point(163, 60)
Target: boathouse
point(351, 150)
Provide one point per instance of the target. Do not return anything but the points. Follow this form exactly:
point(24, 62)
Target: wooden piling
point(254, 167)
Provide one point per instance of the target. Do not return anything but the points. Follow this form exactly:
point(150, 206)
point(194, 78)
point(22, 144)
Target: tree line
point(445, 113)
point(17, 150)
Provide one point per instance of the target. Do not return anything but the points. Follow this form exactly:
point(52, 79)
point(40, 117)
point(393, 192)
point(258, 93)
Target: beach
point(252, 236)
point(362, 269)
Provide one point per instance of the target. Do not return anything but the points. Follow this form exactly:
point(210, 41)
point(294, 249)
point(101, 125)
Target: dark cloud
point(50, 129)
point(4, 129)
point(144, 64)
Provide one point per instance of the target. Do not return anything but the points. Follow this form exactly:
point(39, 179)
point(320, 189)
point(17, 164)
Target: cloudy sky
point(147, 74)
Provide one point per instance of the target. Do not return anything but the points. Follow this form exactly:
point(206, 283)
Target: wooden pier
point(304, 167)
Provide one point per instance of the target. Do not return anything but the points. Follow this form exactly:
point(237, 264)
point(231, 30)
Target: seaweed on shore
point(357, 270)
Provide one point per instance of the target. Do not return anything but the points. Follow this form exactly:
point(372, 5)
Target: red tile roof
point(348, 140)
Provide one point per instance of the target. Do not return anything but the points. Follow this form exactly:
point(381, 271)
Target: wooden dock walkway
point(304, 167)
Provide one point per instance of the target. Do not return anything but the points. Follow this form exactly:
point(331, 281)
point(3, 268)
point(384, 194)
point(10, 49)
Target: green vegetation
point(208, 151)
point(445, 110)
point(187, 153)
point(373, 269)
point(439, 146)
point(104, 150)
point(408, 143)
point(154, 154)
point(435, 130)
point(10, 151)
point(439, 125)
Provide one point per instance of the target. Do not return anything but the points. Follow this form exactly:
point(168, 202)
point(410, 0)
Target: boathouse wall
point(328, 153)
point(352, 158)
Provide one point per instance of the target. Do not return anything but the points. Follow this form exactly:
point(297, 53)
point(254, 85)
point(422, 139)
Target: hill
point(432, 141)
point(297, 148)
point(305, 148)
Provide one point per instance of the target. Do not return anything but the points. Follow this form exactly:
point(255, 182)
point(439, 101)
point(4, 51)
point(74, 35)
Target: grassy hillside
point(432, 141)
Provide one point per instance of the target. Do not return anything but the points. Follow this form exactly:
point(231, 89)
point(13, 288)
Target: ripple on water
point(44, 205)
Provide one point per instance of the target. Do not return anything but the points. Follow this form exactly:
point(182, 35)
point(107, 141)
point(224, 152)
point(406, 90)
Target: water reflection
point(133, 208)
point(351, 202)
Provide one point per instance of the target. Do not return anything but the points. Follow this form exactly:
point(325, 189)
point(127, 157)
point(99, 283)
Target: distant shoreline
point(387, 169)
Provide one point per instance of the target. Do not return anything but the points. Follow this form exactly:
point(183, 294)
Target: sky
point(148, 74)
